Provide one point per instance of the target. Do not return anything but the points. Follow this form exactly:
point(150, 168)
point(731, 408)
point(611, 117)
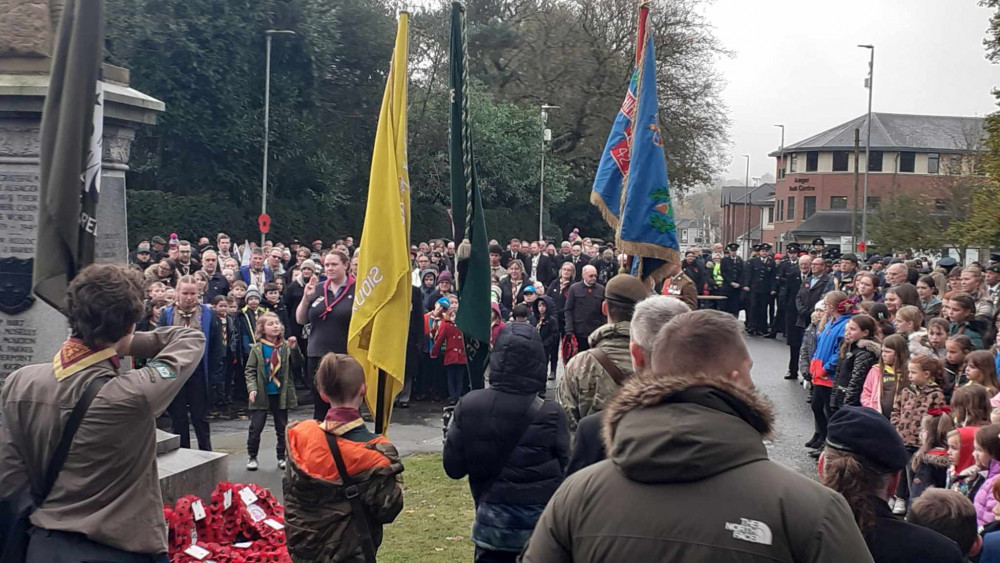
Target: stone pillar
point(30, 330)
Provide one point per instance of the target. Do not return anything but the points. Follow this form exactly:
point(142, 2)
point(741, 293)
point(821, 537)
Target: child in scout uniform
point(269, 384)
point(323, 520)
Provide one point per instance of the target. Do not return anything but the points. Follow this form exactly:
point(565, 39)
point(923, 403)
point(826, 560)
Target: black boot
point(814, 441)
point(791, 376)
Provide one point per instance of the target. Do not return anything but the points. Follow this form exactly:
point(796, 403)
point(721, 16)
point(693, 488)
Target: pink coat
point(871, 393)
point(984, 500)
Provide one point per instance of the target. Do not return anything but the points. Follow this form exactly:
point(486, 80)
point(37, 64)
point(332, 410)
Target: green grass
point(436, 519)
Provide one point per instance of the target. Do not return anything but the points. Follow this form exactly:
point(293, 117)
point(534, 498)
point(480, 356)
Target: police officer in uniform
point(784, 269)
point(731, 267)
point(758, 282)
point(818, 246)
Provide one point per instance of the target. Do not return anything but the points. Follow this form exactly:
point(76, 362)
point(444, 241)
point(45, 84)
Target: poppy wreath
point(222, 527)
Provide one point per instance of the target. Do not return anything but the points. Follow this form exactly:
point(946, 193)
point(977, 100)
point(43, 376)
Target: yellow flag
point(379, 325)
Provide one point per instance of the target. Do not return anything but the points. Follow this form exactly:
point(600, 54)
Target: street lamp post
point(868, 142)
point(546, 136)
point(267, 110)
point(781, 152)
point(746, 207)
point(781, 170)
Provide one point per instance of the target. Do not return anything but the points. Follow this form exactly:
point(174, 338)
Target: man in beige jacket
point(105, 504)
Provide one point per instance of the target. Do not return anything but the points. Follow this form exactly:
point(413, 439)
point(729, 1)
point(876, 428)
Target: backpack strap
point(613, 370)
point(353, 495)
point(69, 431)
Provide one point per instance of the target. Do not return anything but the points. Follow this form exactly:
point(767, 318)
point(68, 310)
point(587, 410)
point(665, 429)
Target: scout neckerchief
point(187, 316)
point(275, 359)
point(74, 356)
point(341, 293)
point(339, 420)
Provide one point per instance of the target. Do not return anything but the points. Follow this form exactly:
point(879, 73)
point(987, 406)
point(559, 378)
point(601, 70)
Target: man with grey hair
point(650, 315)
point(688, 476)
point(217, 283)
point(896, 274)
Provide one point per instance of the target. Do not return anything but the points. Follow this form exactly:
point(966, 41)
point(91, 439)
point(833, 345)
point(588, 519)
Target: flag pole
point(380, 403)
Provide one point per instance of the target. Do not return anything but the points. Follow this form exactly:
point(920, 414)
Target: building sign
point(797, 187)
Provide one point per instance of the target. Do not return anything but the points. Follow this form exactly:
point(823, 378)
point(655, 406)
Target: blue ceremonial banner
point(631, 187)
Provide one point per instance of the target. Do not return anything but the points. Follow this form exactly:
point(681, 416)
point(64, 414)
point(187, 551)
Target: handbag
point(16, 510)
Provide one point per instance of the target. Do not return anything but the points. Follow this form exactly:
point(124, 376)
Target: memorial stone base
point(31, 331)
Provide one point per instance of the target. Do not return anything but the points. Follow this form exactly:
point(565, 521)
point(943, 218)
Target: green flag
point(70, 153)
point(473, 317)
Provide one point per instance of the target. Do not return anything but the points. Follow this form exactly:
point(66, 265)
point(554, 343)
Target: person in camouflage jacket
point(586, 385)
point(319, 521)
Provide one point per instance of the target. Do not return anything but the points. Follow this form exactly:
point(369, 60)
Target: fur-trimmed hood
point(682, 429)
point(871, 346)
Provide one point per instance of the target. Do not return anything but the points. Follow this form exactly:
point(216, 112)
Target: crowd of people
point(896, 356)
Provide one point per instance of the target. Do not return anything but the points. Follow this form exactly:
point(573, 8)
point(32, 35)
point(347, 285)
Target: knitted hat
point(252, 291)
point(308, 263)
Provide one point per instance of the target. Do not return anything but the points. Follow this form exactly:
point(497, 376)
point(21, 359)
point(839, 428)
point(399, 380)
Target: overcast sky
point(795, 62)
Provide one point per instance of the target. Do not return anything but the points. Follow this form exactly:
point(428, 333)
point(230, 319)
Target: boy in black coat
point(510, 490)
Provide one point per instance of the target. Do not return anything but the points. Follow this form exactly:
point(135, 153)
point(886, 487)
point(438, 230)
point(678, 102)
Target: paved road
point(418, 429)
point(794, 419)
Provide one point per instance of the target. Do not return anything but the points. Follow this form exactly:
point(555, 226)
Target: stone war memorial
point(30, 330)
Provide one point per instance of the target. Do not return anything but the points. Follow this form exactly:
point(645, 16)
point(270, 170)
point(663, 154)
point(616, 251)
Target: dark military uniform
point(758, 280)
point(782, 271)
point(731, 268)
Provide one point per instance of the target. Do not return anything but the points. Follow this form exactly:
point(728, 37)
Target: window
point(808, 206)
point(781, 210)
point(838, 202)
point(770, 214)
point(875, 161)
point(873, 203)
point(954, 164)
point(791, 208)
point(793, 164)
point(812, 161)
point(907, 161)
point(840, 161)
point(933, 163)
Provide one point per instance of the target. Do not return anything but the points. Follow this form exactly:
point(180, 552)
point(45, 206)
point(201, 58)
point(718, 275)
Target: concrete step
point(183, 472)
point(166, 442)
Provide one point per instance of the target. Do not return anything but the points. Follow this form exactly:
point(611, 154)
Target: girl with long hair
point(886, 378)
point(858, 353)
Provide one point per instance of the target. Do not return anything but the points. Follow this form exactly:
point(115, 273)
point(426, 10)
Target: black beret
point(869, 435)
point(874, 258)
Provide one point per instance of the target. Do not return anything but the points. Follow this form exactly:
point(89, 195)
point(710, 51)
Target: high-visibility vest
point(717, 274)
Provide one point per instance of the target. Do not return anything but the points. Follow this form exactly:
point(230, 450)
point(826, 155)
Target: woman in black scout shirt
point(327, 307)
